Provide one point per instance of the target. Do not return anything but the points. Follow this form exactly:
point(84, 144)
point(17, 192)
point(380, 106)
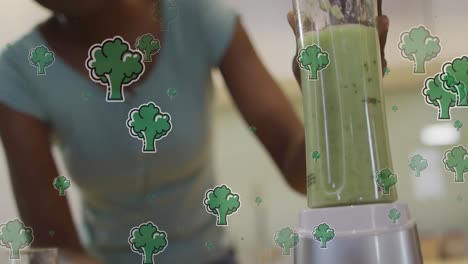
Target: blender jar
point(341, 78)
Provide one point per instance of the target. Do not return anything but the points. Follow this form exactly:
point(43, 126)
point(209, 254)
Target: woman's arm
point(263, 105)
point(32, 170)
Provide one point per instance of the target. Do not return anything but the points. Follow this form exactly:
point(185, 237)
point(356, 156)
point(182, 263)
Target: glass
point(345, 121)
point(31, 256)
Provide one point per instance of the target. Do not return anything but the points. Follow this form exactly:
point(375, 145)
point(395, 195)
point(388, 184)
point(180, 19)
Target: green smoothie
point(345, 119)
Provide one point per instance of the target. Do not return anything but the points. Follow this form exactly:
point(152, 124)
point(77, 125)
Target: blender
point(353, 216)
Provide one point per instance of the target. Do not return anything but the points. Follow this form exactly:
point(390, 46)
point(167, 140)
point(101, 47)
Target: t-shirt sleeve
point(15, 91)
point(218, 20)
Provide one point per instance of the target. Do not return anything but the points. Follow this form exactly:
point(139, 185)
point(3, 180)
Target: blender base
point(364, 234)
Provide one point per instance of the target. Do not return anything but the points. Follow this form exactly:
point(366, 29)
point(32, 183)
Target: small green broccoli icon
point(114, 64)
point(15, 236)
point(221, 202)
point(387, 71)
point(258, 200)
point(209, 245)
point(171, 92)
point(316, 155)
point(436, 96)
point(323, 233)
point(417, 163)
point(41, 58)
point(419, 46)
point(455, 77)
point(313, 59)
point(147, 240)
point(286, 239)
point(394, 215)
point(253, 129)
point(456, 160)
point(386, 179)
point(61, 184)
point(458, 125)
point(165, 12)
point(148, 45)
point(394, 108)
point(148, 124)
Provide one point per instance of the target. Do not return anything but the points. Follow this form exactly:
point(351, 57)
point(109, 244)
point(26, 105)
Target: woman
point(121, 187)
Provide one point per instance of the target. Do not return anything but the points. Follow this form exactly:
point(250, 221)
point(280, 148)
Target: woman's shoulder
point(16, 54)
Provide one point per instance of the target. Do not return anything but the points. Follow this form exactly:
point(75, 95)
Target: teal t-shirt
point(120, 186)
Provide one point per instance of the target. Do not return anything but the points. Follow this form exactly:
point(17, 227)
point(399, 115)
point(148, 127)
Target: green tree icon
point(221, 202)
point(456, 160)
point(171, 92)
point(41, 58)
point(316, 155)
point(61, 183)
point(386, 179)
point(394, 215)
point(419, 46)
point(458, 125)
point(209, 245)
point(286, 239)
point(15, 236)
point(323, 233)
point(387, 71)
point(147, 240)
point(149, 124)
point(455, 77)
point(258, 200)
point(165, 12)
point(417, 163)
point(313, 59)
point(148, 45)
point(435, 95)
point(114, 64)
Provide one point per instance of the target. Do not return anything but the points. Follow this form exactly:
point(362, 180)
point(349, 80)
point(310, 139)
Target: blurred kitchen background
point(439, 205)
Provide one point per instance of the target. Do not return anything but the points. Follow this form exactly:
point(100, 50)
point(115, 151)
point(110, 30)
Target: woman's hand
point(382, 27)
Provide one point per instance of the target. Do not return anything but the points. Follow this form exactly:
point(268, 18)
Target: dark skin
point(278, 128)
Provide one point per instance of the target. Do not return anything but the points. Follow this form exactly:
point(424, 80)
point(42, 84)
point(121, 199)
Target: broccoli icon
point(455, 77)
point(316, 155)
point(313, 59)
point(165, 13)
point(41, 58)
point(148, 45)
point(171, 92)
point(386, 179)
point(394, 215)
point(15, 236)
point(112, 63)
point(323, 233)
point(419, 46)
point(438, 97)
point(456, 160)
point(458, 125)
point(286, 239)
point(61, 184)
point(148, 241)
point(221, 202)
point(149, 124)
point(417, 163)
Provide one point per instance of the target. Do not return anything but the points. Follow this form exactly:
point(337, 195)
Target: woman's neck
point(129, 19)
